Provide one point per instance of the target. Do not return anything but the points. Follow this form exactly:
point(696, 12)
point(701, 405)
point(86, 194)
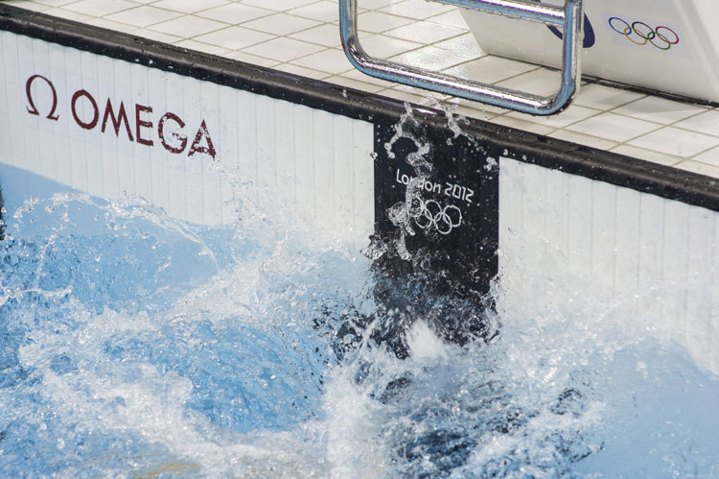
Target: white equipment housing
point(664, 45)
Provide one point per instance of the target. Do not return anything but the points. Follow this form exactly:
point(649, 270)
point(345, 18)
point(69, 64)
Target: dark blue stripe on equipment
point(589, 37)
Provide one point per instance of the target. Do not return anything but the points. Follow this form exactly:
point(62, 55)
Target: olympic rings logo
point(640, 33)
point(431, 215)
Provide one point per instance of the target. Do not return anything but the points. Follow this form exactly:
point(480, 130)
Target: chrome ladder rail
point(569, 18)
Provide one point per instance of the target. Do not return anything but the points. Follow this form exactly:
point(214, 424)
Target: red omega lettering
point(96, 113)
point(170, 128)
point(177, 136)
point(28, 92)
point(118, 120)
point(197, 147)
point(140, 123)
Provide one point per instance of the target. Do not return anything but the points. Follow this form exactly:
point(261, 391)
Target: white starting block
point(665, 45)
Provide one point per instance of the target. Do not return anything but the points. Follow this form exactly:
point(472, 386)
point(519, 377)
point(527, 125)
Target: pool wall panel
point(635, 253)
point(276, 152)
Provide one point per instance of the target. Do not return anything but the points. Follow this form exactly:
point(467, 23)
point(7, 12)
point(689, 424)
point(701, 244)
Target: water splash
point(404, 214)
point(135, 345)
point(156, 342)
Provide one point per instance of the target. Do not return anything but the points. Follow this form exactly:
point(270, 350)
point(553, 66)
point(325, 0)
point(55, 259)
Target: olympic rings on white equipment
point(430, 214)
point(660, 37)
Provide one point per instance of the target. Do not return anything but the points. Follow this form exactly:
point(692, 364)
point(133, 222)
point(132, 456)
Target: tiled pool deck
point(302, 37)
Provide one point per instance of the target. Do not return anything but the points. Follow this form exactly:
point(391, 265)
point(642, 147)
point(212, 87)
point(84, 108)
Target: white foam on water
point(355, 446)
point(424, 343)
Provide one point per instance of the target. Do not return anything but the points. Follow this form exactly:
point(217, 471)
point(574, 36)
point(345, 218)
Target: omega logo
point(170, 128)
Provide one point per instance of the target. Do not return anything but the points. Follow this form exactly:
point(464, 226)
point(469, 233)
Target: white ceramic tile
point(302, 71)
point(490, 69)
point(452, 18)
point(55, 3)
point(359, 76)
point(648, 155)
point(378, 4)
point(281, 24)
point(706, 122)
point(481, 109)
point(325, 35)
point(699, 167)
point(464, 42)
point(283, 49)
point(234, 38)
point(324, 11)
point(252, 59)
point(411, 95)
point(431, 57)
point(143, 16)
point(424, 32)
point(659, 110)
point(330, 61)
point(433, 98)
point(356, 84)
point(157, 36)
point(710, 157)
point(523, 125)
point(604, 98)
point(69, 14)
point(376, 22)
point(583, 139)
point(573, 114)
point(474, 110)
point(539, 82)
point(235, 13)
point(614, 127)
point(110, 25)
point(35, 7)
point(417, 9)
point(188, 26)
point(100, 8)
point(675, 141)
point(203, 47)
point(280, 5)
point(381, 46)
point(188, 6)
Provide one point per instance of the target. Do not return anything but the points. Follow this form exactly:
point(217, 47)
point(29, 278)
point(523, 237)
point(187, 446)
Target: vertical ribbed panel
point(13, 129)
point(567, 236)
point(5, 39)
point(306, 163)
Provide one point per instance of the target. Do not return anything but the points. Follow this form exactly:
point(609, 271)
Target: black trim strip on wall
point(650, 91)
point(619, 170)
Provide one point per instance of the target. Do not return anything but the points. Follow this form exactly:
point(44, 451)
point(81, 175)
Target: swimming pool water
point(135, 345)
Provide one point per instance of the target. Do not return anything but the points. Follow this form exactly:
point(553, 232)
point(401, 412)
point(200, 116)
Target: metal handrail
point(569, 18)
